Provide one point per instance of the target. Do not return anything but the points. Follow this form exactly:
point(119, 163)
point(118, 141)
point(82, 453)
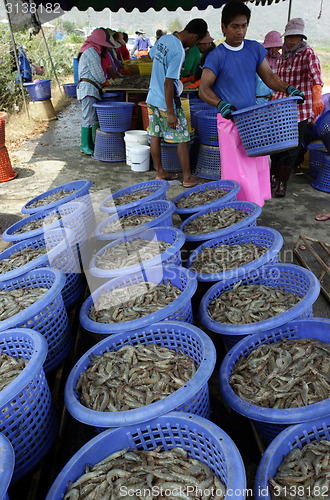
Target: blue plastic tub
point(70, 89)
point(39, 90)
point(262, 236)
point(171, 255)
point(157, 187)
point(269, 421)
point(7, 463)
point(322, 181)
point(202, 439)
point(109, 146)
point(295, 436)
point(208, 164)
point(47, 315)
point(161, 210)
point(60, 255)
point(231, 186)
point(268, 128)
point(294, 279)
point(207, 128)
point(179, 310)
point(251, 209)
point(114, 116)
point(317, 152)
point(193, 397)
point(26, 409)
point(112, 97)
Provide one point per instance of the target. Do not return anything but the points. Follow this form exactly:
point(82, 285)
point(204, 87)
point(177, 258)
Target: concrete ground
point(54, 159)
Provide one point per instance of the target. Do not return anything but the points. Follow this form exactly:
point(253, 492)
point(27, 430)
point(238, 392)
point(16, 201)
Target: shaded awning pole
point(50, 57)
point(16, 56)
point(289, 12)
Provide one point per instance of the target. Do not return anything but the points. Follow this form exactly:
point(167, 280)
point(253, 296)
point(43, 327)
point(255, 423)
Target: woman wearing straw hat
point(273, 44)
point(91, 78)
point(300, 67)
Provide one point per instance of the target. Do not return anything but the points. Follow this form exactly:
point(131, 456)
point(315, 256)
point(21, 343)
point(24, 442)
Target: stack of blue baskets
point(114, 119)
point(317, 152)
point(208, 161)
point(322, 154)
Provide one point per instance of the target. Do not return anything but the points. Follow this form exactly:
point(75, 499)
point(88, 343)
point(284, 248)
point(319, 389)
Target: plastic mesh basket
point(47, 315)
point(208, 164)
point(144, 112)
point(251, 209)
point(109, 146)
point(322, 181)
point(202, 439)
point(180, 309)
point(6, 170)
point(317, 151)
point(145, 67)
point(294, 279)
point(200, 108)
point(262, 236)
point(161, 210)
point(3, 117)
point(169, 156)
point(207, 128)
point(60, 255)
point(114, 116)
point(232, 188)
point(158, 188)
point(322, 129)
point(295, 436)
point(171, 255)
point(70, 89)
point(7, 463)
point(27, 416)
point(80, 193)
point(39, 90)
point(269, 421)
point(268, 128)
point(193, 397)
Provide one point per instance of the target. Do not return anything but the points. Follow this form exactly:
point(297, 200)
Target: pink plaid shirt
point(303, 71)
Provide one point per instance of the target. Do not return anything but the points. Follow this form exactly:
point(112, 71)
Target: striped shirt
point(303, 71)
point(90, 67)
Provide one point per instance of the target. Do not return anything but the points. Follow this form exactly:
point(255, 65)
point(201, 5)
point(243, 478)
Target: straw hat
point(295, 26)
point(272, 39)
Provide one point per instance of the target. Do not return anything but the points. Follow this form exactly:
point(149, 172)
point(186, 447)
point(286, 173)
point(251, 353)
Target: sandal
point(169, 178)
point(322, 217)
point(188, 186)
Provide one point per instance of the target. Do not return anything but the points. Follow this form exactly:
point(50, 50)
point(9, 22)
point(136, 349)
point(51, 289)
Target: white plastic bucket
point(140, 158)
point(132, 138)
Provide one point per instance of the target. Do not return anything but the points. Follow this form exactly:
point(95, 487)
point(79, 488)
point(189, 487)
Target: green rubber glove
point(295, 92)
point(225, 109)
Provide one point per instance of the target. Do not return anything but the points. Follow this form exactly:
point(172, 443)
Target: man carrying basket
point(228, 83)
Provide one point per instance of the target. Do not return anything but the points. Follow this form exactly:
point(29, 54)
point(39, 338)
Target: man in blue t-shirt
point(166, 117)
point(228, 80)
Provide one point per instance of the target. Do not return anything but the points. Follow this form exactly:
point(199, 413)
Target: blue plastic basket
point(60, 255)
point(251, 209)
point(317, 152)
point(157, 186)
point(202, 439)
point(179, 310)
point(71, 216)
point(322, 129)
point(112, 97)
point(27, 415)
point(269, 421)
point(231, 186)
point(262, 236)
point(114, 116)
point(193, 397)
point(47, 315)
point(295, 436)
point(70, 89)
point(39, 90)
point(109, 146)
point(81, 194)
point(268, 128)
point(197, 109)
point(294, 279)
point(208, 164)
point(162, 210)
point(322, 181)
point(207, 128)
point(7, 463)
point(171, 255)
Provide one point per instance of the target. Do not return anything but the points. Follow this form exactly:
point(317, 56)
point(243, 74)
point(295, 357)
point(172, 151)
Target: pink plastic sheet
point(253, 174)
